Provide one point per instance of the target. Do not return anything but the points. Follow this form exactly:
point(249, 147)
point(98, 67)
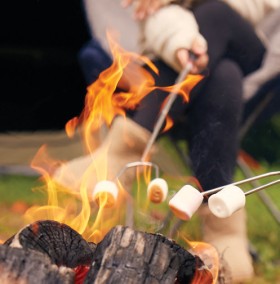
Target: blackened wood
point(128, 256)
point(18, 266)
point(60, 242)
point(201, 274)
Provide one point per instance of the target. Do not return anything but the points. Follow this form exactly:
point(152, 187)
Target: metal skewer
point(171, 98)
point(137, 164)
point(215, 190)
point(266, 199)
point(178, 223)
point(143, 162)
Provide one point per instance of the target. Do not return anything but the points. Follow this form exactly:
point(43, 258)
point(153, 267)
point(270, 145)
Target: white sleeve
point(170, 28)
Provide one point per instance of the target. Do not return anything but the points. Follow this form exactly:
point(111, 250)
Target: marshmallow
point(186, 202)
point(228, 200)
point(157, 190)
point(105, 193)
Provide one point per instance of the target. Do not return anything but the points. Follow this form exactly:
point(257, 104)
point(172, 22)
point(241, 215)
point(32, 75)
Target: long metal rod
point(214, 190)
point(138, 164)
point(262, 187)
point(171, 98)
point(266, 199)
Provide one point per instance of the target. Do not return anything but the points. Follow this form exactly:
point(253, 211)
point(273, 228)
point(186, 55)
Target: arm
point(170, 33)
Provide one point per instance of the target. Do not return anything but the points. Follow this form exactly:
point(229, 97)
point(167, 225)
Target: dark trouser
point(214, 112)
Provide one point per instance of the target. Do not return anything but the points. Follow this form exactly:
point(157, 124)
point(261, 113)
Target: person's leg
point(214, 119)
point(93, 59)
point(148, 111)
point(214, 115)
point(229, 36)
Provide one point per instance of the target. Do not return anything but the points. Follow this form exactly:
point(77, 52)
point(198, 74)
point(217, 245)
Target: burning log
point(51, 252)
point(61, 243)
point(128, 256)
point(32, 267)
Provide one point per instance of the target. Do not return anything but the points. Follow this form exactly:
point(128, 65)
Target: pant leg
point(149, 108)
point(93, 59)
point(229, 36)
point(213, 122)
point(214, 111)
point(214, 119)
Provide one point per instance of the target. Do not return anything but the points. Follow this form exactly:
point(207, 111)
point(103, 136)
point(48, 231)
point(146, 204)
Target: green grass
point(21, 188)
point(17, 194)
point(264, 234)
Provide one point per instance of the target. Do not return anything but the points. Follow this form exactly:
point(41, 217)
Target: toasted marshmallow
point(105, 193)
point(157, 190)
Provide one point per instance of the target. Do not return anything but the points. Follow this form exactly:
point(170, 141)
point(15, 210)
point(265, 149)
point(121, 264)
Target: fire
point(210, 257)
point(120, 87)
point(103, 103)
point(103, 100)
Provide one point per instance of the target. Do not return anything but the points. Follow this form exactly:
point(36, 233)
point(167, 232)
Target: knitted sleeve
point(169, 29)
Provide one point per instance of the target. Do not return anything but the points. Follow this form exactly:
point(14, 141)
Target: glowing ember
point(209, 256)
point(80, 274)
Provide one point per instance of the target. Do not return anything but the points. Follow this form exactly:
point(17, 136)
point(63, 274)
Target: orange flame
point(168, 125)
point(210, 257)
point(61, 210)
point(103, 102)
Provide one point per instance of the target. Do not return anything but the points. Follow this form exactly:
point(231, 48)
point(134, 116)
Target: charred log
point(124, 256)
point(32, 267)
point(128, 256)
point(61, 243)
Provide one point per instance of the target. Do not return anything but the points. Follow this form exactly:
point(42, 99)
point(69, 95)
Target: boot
point(229, 236)
point(124, 143)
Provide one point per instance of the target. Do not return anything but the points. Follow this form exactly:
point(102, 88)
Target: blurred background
point(42, 85)
point(41, 82)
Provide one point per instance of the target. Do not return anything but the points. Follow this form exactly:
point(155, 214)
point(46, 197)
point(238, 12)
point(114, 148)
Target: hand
point(199, 48)
point(143, 8)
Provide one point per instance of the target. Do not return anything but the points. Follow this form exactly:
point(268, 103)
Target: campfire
point(111, 235)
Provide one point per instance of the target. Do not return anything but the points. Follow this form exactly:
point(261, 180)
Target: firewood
point(19, 266)
point(60, 242)
point(129, 256)
point(123, 256)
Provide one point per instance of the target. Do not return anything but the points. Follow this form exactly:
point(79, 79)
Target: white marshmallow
point(228, 200)
point(105, 193)
point(157, 190)
point(186, 202)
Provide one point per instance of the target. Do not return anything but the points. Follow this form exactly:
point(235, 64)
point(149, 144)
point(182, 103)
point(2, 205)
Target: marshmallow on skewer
point(228, 200)
point(186, 202)
point(105, 193)
point(157, 190)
